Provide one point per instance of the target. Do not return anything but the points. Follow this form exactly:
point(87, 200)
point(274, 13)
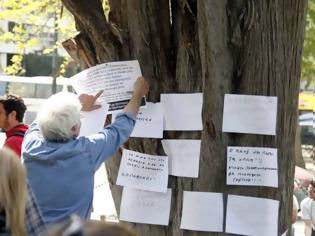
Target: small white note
point(93, 121)
point(145, 207)
point(202, 211)
point(252, 216)
point(252, 166)
point(249, 114)
point(182, 111)
point(143, 171)
point(183, 156)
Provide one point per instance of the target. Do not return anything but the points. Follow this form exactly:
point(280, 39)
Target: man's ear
point(12, 115)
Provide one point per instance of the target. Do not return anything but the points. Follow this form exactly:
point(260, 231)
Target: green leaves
point(308, 63)
point(38, 26)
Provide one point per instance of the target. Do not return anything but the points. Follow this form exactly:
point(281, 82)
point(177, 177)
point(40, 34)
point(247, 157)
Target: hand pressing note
point(88, 101)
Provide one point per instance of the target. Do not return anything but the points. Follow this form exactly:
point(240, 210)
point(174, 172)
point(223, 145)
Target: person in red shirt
point(12, 109)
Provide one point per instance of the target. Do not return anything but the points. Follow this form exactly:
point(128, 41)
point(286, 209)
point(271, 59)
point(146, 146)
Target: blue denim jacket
point(61, 175)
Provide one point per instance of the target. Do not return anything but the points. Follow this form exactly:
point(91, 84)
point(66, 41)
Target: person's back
point(12, 194)
point(61, 166)
point(66, 172)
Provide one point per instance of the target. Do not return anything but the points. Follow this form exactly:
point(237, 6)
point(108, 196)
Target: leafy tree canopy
point(36, 26)
point(308, 65)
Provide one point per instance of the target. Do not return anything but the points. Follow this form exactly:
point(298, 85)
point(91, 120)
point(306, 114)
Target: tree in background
point(210, 46)
point(36, 27)
point(308, 65)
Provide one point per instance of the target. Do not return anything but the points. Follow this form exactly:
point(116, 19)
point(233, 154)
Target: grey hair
point(59, 114)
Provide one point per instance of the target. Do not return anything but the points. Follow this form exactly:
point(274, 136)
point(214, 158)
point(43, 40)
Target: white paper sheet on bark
point(149, 123)
point(182, 111)
point(183, 157)
point(252, 216)
point(202, 211)
point(249, 114)
point(93, 121)
point(115, 78)
point(252, 166)
point(143, 171)
point(145, 207)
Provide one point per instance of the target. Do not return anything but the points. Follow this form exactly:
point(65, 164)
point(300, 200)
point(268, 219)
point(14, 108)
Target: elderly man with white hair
point(60, 164)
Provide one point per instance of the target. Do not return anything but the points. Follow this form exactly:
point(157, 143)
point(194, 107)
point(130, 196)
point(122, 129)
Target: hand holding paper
point(141, 88)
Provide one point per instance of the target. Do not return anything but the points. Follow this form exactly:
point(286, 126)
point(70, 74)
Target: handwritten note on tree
point(252, 166)
point(143, 171)
point(145, 207)
point(149, 122)
point(115, 78)
point(249, 114)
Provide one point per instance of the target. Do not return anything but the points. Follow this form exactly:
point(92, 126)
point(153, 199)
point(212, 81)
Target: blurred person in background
point(308, 211)
point(19, 214)
point(12, 194)
point(12, 110)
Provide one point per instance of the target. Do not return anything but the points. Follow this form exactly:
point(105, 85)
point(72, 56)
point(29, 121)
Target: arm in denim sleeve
point(104, 144)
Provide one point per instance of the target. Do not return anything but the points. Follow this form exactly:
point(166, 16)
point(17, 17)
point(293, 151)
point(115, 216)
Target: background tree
point(308, 65)
point(210, 46)
point(38, 27)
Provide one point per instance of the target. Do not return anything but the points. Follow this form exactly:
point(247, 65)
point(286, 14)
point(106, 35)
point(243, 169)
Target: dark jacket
point(3, 231)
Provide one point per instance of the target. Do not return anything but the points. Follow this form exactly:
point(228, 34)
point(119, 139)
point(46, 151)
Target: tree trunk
point(210, 46)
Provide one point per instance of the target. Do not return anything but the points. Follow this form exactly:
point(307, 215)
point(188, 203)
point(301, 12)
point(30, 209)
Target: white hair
point(58, 115)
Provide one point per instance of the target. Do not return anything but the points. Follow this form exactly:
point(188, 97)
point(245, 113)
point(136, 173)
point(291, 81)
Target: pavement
point(103, 203)
point(299, 228)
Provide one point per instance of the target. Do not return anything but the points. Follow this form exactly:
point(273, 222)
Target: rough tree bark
point(210, 46)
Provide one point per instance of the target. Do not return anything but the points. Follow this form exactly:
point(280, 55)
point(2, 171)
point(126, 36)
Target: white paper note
point(252, 216)
point(115, 78)
point(202, 211)
point(249, 114)
point(145, 207)
point(252, 166)
point(183, 157)
point(143, 171)
point(93, 121)
point(182, 111)
point(149, 123)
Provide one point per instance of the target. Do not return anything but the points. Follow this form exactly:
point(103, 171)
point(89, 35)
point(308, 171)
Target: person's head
point(311, 190)
point(12, 110)
point(13, 191)
point(59, 118)
point(76, 227)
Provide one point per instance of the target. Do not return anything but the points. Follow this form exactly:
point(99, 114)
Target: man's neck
point(13, 124)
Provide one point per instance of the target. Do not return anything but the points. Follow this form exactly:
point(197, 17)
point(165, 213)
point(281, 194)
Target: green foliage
point(308, 64)
point(40, 27)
